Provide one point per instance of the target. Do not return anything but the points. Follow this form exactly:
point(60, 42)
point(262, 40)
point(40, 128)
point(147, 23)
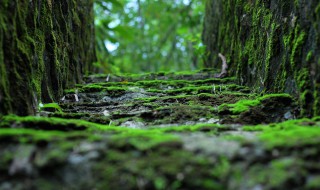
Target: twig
point(108, 77)
point(224, 67)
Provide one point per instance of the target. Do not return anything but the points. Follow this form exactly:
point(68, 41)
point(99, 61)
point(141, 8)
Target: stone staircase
point(184, 130)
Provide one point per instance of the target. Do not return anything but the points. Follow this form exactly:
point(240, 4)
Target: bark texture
point(272, 46)
point(45, 46)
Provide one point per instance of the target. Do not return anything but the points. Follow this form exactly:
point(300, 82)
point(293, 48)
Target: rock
point(133, 124)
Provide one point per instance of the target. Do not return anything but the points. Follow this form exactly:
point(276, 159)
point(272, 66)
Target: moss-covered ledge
point(45, 47)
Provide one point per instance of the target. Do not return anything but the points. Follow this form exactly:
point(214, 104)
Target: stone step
point(162, 131)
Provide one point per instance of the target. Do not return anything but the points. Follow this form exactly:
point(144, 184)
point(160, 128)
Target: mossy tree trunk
point(272, 46)
point(46, 46)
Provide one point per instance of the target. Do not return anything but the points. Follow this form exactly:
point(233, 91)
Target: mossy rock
point(265, 109)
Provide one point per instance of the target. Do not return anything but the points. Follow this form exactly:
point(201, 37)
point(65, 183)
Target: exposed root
point(224, 67)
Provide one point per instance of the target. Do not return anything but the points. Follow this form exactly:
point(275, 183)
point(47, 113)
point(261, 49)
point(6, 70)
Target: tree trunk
point(45, 46)
point(272, 46)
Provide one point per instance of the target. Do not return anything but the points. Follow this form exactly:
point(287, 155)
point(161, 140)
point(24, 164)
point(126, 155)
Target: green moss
point(244, 105)
point(316, 105)
point(240, 106)
point(40, 43)
point(113, 91)
point(303, 79)
point(270, 48)
point(277, 174)
point(279, 171)
point(287, 39)
point(31, 135)
point(58, 124)
point(313, 182)
point(158, 83)
point(309, 56)
point(299, 40)
point(70, 91)
point(214, 128)
point(213, 89)
point(292, 133)
point(253, 128)
point(268, 96)
point(301, 136)
point(144, 140)
point(267, 47)
point(51, 105)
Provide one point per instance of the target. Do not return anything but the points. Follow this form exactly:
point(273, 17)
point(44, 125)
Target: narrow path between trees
point(184, 130)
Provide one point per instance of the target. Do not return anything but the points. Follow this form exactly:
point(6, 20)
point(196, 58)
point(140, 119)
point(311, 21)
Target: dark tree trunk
point(45, 46)
point(272, 46)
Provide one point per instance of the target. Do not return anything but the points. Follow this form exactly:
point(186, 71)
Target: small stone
point(190, 123)
point(133, 124)
point(23, 162)
point(106, 113)
point(180, 176)
point(76, 159)
point(106, 99)
point(213, 120)
point(6, 186)
point(275, 153)
point(258, 187)
point(288, 115)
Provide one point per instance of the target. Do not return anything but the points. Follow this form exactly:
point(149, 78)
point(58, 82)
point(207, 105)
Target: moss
point(159, 83)
point(268, 96)
point(268, 46)
point(277, 174)
point(113, 91)
point(279, 171)
point(179, 114)
point(214, 81)
point(309, 56)
point(240, 106)
point(165, 76)
point(287, 39)
point(213, 89)
point(292, 133)
point(53, 106)
point(144, 140)
point(270, 49)
point(38, 47)
point(155, 166)
point(214, 128)
point(69, 115)
point(316, 105)
point(31, 135)
point(253, 128)
point(57, 124)
point(182, 83)
point(297, 44)
point(313, 182)
point(244, 105)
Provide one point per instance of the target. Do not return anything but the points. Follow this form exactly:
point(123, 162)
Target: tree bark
point(45, 46)
point(272, 46)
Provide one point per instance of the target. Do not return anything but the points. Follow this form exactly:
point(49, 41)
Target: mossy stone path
point(184, 130)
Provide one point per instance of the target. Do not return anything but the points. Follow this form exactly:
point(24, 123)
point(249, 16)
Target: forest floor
point(184, 130)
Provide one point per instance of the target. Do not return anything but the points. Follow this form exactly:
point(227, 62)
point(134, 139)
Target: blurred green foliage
point(135, 36)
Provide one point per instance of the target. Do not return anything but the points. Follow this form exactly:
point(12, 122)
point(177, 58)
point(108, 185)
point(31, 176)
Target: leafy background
point(135, 36)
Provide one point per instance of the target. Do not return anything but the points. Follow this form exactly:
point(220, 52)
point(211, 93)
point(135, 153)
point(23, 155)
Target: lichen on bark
point(46, 46)
point(272, 46)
